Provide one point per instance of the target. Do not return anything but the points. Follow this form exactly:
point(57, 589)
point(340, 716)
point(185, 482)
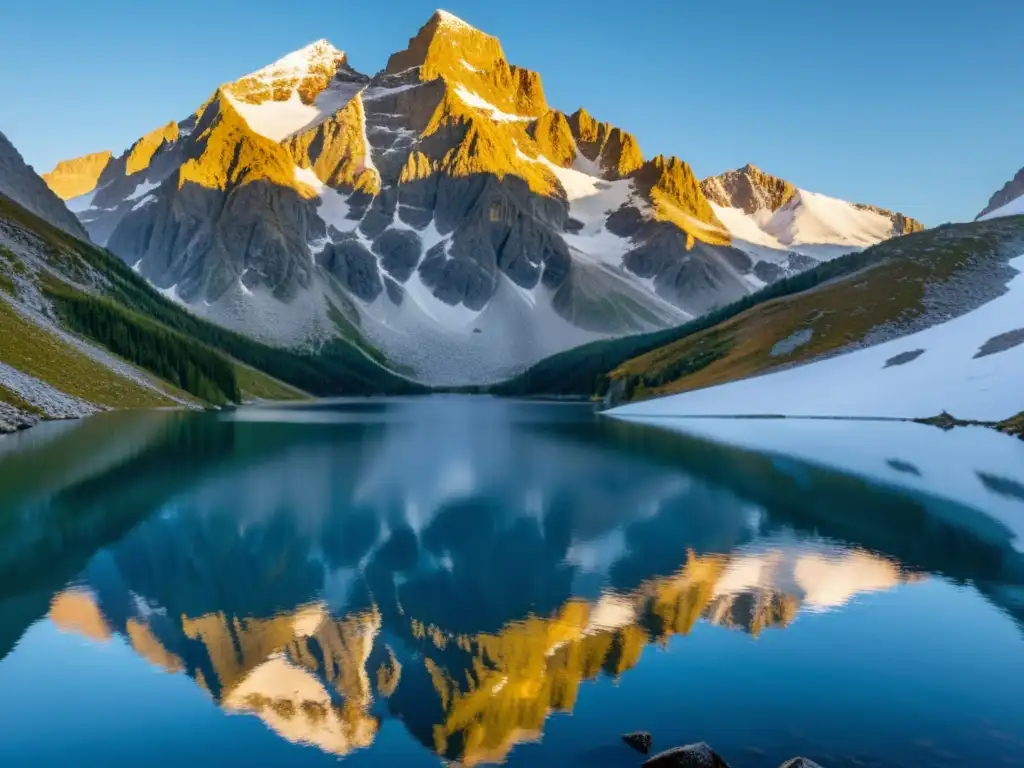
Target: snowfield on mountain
point(969, 367)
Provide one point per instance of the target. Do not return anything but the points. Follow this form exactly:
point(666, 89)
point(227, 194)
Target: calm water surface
point(470, 580)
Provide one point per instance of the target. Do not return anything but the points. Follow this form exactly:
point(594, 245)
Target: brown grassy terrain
point(837, 315)
point(1014, 426)
point(256, 385)
point(39, 353)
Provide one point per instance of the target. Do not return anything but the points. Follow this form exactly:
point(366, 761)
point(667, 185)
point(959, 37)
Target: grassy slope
point(263, 371)
point(1014, 426)
point(837, 315)
point(37, 352)
point(256, 385)
point(840, 302)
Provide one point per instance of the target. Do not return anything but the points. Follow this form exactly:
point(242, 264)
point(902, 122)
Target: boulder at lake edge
point(640, 741)
point(692, 756)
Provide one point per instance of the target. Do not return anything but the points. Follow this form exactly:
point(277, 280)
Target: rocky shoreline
point(698, 755)
point(15, 420)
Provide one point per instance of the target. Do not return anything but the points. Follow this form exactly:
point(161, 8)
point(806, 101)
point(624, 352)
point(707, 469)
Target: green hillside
point(81, 323)
point(836, 306)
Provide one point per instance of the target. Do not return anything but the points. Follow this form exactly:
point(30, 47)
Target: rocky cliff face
point(748, 188)
point(20, 183)
point(440, 211)
point(1011, 191)
point(73, 178)
point(787, 228)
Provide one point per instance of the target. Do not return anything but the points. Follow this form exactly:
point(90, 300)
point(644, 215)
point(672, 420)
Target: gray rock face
point(1013, 189)
point(412, 181)
point(13, 420)
point(692, 756)
point(458, 281)
point(399, 252)
point(699, 279)
point(119, 193)
point(356, 268)
point(640, 741)
point(22, 184)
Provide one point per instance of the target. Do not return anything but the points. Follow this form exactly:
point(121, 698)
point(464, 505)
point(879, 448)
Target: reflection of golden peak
point(302, 673)
point(150, 648)
point(75, 610)
point(388, 674)
point(294, 703)
point(305, 673)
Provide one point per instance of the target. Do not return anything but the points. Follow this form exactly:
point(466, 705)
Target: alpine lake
point(469, 580)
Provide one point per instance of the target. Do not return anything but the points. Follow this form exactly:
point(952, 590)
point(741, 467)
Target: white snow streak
point(1013, 208)
point(477, 102)
point(947, 377)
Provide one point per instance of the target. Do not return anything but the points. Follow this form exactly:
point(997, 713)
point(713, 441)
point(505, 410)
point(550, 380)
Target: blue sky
point(913, 105)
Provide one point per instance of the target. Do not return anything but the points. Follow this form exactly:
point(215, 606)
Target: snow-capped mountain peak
point(770, 217)
point(315, 57)
point(296, 92)
point(461, 226)
point(452, 21)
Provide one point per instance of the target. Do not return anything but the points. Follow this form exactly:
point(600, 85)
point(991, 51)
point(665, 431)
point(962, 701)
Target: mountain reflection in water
point(459, 566)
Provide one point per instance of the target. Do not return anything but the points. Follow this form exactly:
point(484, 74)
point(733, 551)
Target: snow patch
point(1013, 208)
point(172, 294)
point(332, 208)
point(147, 200)
point(277, 120)
point(811, 218)
point(477, 102)
point(81, 203)
point(451, 21)
point(142, 188)
point(947, 378)
point(811, 224)
point(376, 93)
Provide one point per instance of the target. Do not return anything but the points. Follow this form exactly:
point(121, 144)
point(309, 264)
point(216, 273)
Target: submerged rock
point(692, 756)
point(640, 741)
point(799, 762)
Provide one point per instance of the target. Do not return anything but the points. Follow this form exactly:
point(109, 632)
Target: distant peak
point(748, 188)
point(315, 55)
point(443, 44)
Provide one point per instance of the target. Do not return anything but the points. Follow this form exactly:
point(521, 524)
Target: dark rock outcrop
point(692, 756)
point(1013, 189)
point(640, 741)
point(355, 268)
point(20, 183)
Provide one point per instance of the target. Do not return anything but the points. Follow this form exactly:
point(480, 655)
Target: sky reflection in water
point(404, 580)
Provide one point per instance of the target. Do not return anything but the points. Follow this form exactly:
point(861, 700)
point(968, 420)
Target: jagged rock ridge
point(1012, 191)
point(439, 211)
point(19, 182)
point(787, 226)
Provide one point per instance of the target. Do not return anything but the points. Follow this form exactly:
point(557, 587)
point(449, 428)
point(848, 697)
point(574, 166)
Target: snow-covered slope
point(1013, 208)
point(296, 92)
point(969, 366)
point(1008, 201)
point(770, 218)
